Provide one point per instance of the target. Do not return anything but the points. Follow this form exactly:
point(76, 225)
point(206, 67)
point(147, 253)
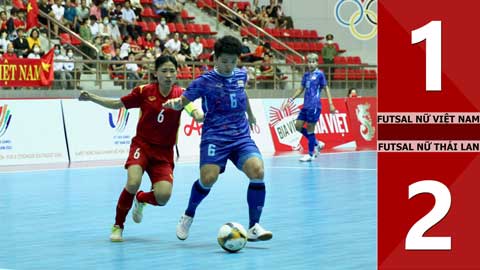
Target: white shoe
point(257, 233)
point(137, 213)
point(320, 145)
point(116, 235)
point(183, 227)
point(307, 158)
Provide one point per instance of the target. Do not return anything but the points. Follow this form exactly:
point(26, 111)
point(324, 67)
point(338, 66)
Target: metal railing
point(260, 30)
point(51, 20)
point(121, 78)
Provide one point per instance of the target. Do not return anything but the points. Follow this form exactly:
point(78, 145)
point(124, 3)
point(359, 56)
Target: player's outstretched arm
point(251, 118)
point(176, 103)
point(105, 102)
point(330, 102)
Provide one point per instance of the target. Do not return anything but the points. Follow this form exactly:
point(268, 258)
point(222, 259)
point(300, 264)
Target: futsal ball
point(232, 237)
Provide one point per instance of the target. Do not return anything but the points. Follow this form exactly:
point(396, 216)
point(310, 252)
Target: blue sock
point(304, 132)
point(197, 194)
point(256, 200)
point(312, 141)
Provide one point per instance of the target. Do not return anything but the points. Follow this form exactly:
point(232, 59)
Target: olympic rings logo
point(364, 11)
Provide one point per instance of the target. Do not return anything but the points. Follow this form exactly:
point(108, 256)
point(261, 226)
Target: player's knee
point(132, 186)
point(162, 198)
point(298, 127)
point(256, 171)
point(209, 179)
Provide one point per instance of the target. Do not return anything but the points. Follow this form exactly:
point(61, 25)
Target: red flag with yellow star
point(46, 65)
point(32, 14)
point(18, 4)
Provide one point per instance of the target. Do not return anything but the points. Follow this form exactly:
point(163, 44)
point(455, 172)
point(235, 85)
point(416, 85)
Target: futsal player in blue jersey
point(313, 82)
point(225, 135)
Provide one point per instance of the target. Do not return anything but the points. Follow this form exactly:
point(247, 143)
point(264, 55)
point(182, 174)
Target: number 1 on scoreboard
point(432, 33)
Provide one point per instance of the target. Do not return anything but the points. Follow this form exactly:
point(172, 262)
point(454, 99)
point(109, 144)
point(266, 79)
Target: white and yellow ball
point(232, 237)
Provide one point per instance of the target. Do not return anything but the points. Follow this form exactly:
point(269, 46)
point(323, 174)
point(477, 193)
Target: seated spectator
point(3, 41)
point(158, 48)
point(231, 19)
point(162, 31)
point(133, 75)
point(93, 25)
point(108, 49)
point(34, 38)
point(21, 44)
point(105, 28)
point(86, 34)
point(70, 15)
point(116, 35)
point(83, 14)
point(46, 7)
point(58, 13)
point(62, 78)
point(259, 53)
point(196, 49)
point(283, 21)
point(167, 9)
point(95, 10)
point(184, 53)
point(172, 47)
point(10, 53)
point(35, 52)
point(246, 53)
point(130, 20)
point(148, 42)
point(69, 68)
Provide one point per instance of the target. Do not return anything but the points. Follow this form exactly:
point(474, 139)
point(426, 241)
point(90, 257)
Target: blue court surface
point(322, 215)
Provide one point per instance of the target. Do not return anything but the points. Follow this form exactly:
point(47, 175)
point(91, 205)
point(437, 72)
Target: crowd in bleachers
point(141, 30)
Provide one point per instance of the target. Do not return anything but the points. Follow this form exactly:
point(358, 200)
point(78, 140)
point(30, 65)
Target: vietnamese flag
point(18, 4)
point(32, 13)
point(46, 68)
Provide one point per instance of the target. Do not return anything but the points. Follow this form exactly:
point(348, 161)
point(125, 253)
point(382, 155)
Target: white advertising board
point(31, 132)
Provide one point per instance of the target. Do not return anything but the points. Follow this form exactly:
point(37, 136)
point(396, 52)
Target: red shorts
point(156, 160)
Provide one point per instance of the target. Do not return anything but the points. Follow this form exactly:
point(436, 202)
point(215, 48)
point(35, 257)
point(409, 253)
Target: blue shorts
point(218, 153)
point(310, 115)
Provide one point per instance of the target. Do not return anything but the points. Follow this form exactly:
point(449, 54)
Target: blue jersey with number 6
point(224, 102)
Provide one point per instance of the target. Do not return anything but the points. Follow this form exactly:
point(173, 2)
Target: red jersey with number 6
point(157, 125)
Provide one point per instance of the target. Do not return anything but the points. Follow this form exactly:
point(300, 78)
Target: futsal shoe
point(137, 213)
point(257, 233)
point(320, 145)
point(116, 235)
point(307, 158)
point(183, 227)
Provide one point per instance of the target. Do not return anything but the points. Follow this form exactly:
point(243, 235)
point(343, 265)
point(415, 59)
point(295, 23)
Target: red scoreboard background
point(442, 215)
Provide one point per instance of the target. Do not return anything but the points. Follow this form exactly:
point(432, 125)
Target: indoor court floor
point(322, 214)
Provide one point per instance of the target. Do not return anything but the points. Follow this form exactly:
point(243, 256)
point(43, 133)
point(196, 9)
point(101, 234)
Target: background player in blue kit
point(225, 135)
point(313, 82)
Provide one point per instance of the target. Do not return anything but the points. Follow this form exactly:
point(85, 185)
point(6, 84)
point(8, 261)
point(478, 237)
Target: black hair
point(228, 45)
point(163, 59)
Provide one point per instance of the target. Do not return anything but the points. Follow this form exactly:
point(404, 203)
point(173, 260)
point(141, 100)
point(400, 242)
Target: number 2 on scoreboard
point(432, 33)
point(415, 239)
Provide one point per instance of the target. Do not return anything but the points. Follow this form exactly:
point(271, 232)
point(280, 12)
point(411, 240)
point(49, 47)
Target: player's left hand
point(252, 121)
point(174, 103)
point(332, 109)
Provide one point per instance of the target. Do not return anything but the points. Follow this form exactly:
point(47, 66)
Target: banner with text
point(27, 72)
point(98, 133)
point(31, 132)
point(333, 129)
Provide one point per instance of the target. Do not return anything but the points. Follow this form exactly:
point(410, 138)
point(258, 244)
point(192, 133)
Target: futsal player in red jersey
point(151, 149)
